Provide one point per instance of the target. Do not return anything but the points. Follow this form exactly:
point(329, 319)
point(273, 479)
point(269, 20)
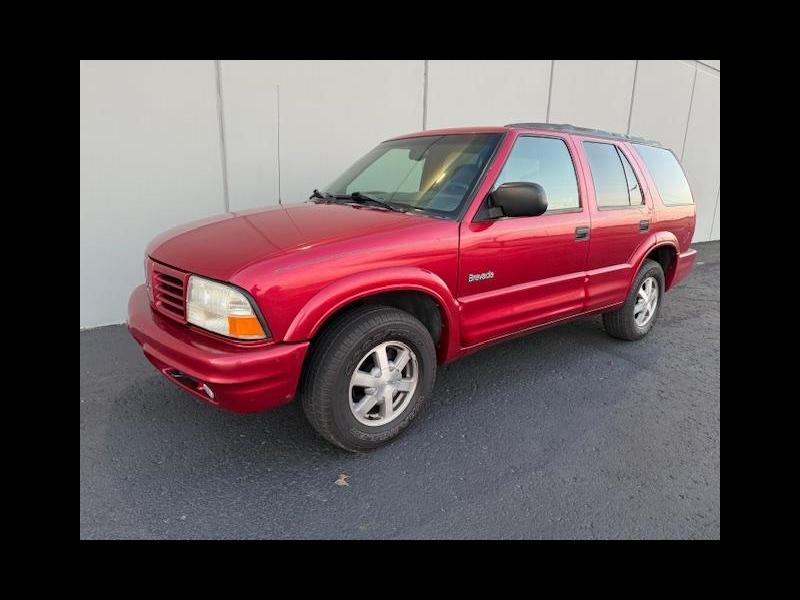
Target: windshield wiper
point(355, 196)
point(359, 197)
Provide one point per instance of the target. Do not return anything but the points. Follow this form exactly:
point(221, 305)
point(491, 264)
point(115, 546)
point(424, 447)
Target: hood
point(220, 246)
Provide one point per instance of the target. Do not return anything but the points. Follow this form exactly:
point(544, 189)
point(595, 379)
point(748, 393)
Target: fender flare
point(342, 292)
point(656, 240)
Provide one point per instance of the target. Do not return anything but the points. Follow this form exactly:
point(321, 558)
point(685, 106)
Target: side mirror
point(520, 199)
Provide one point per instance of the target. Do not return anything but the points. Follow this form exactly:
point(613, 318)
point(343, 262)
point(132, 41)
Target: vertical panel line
point(549, 91)
point(689, 116)
point(221, 123)
point(425, 97)
point(714, 218)
point(278, 100)
point(633, 95)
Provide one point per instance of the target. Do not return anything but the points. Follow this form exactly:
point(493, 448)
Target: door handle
point(582, 233)
point(644, 224)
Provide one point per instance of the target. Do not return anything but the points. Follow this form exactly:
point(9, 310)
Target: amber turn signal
point(245, 327)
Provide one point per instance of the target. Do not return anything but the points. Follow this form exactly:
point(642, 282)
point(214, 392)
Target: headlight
point(222, 309)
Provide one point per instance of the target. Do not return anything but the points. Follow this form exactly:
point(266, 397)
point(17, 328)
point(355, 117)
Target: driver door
point(521, 272)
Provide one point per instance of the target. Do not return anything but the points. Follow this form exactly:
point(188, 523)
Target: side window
point(610, 176)
point(545, 161)
point(666, 173)
point(634, 189)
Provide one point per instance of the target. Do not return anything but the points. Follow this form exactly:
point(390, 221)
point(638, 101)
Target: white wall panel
point(150, 159)
point(251, 132)
point(333, 112)
point(486, 92)
point(714, 64)
point(715, 226)
point(661, 101)
point(592, 93)
point(701, 152)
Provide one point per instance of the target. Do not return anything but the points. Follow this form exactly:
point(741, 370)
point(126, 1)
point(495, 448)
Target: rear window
point(667, 174)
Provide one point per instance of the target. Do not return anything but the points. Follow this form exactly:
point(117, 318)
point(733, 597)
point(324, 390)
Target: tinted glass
point(634, 189)
point(608, 175)
point(395, 168)
point(431, 173)
point(545, 161)
point(666, 173)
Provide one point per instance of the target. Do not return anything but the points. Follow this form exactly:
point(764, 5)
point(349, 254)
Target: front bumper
point(242, 378)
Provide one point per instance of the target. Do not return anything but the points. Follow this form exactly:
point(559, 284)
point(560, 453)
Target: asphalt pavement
point(566, 433)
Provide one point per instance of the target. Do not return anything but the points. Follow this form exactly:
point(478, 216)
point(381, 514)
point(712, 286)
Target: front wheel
point(638, 315)
point(367, 377)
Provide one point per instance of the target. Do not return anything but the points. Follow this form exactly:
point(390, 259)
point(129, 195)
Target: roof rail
point(567, 128)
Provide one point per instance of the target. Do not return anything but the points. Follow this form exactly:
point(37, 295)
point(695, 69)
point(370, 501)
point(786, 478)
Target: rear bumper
point(683, 265)
point(241, 378)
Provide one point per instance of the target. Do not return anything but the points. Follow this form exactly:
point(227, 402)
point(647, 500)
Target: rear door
point(519, 272)
point(621, 219)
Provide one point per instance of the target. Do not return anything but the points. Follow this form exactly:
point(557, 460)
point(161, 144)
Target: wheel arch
point(663, 248)
point(408, 288)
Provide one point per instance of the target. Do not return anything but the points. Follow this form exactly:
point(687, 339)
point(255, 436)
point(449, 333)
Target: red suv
point(431, 246)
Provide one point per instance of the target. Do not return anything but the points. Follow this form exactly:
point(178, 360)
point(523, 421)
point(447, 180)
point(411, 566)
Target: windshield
point(435, 174)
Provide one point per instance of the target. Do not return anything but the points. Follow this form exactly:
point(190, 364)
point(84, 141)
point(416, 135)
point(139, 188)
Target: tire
point(622, 323)
point(353, 342)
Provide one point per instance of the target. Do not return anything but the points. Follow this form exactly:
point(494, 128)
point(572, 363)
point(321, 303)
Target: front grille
point(169, 290)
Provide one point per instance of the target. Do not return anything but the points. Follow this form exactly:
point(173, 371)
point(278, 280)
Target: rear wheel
point(367, 377)
point(638, 315)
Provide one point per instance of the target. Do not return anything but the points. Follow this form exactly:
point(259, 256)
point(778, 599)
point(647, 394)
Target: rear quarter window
point(614, 187)
point(667, 175)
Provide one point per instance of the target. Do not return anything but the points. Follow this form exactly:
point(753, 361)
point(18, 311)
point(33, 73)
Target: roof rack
point(566, 128)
